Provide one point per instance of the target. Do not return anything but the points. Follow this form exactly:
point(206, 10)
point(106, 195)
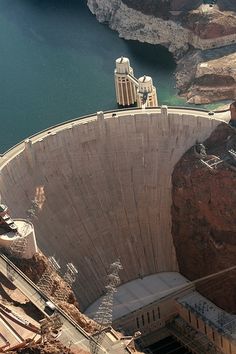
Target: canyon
point(203, 221)
point(199, 36)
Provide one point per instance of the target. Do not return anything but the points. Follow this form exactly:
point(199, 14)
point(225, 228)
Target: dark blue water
point(57, 63)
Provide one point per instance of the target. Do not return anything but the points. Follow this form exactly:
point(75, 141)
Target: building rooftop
point(3, 208)
point(138, 293)
point(222, 321)
point(23, 228)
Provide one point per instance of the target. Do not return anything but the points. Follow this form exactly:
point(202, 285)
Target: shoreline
point(203, 64)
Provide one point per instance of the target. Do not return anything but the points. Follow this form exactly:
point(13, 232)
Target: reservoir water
point(57, 63)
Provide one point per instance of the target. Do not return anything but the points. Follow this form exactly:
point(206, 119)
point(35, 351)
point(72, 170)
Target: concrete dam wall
point(104, 187)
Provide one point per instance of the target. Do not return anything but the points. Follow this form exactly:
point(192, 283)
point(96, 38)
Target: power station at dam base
point(96, 193)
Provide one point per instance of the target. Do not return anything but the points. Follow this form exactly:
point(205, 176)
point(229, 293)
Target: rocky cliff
point(136, 25)
point(186, 29)
point(162, 7)
point(203, 217)
point(203, 78)
point(34, 269)
point(209, 23)
point(152, 6)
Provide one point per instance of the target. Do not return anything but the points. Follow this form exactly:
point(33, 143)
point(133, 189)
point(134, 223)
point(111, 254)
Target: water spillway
point(104, 184)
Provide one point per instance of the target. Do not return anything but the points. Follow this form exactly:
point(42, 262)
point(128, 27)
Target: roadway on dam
point(13, 151)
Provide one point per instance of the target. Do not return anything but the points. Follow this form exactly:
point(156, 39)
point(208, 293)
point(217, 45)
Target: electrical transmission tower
point(18, 247)
point(104, 314)
point(45, 283)
point(61, 294)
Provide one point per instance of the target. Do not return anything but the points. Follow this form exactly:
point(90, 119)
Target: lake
point(57, 63)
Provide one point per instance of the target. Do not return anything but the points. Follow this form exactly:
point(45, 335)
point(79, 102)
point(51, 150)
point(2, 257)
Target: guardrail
point(107, 112)
point(91, 341)
point(63, 123)
point(43, 296)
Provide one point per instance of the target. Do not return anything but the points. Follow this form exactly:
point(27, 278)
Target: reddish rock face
point(233, 110)
point(204, 219)
point(161, 7)
point(212, 24)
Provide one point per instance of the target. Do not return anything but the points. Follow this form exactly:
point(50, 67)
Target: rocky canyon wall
point(135, 25)
point(203, 219)
point(143, 21)
point(188, 34)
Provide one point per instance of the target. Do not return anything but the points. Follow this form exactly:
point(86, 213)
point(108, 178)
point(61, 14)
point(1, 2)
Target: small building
point(6, 222)
point(16, 236)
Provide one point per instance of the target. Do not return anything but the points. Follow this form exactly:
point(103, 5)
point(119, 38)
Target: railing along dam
point(104, 182)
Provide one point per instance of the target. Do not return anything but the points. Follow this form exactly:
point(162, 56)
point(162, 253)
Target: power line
point(103, 316)
point(210, 276)
point(62, 293)
point(45, 283)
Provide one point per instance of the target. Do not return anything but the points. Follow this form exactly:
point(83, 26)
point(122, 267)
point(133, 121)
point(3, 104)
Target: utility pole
point(45, 283)
point(104, 314)
point(61, 294)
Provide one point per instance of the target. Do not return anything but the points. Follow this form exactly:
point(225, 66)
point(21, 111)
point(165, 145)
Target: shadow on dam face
point(105, 191)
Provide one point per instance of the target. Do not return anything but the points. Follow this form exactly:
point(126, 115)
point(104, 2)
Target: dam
point(104, 185)
point(107, 187)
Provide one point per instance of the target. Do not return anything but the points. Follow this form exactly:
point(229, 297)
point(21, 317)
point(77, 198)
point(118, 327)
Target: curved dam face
point(104, 187)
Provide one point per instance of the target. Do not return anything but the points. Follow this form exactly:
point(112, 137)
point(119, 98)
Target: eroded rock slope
point(188, 30)
point(204, 214)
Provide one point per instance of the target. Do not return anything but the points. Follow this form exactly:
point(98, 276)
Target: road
point(72, 333)
point(15, 150)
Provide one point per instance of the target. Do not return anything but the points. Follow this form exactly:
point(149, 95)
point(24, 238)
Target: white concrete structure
point(107, 185)
point(125, 82)
point(136, 294)
point(25, 232)
point(208, 320)
point(146, 94)
point(167, 304)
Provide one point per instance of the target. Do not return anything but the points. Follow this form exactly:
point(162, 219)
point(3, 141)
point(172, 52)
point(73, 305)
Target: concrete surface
point(141, 292)
point(105, 190)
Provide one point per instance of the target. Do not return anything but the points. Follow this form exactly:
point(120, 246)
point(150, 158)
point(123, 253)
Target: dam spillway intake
point(130, 90)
